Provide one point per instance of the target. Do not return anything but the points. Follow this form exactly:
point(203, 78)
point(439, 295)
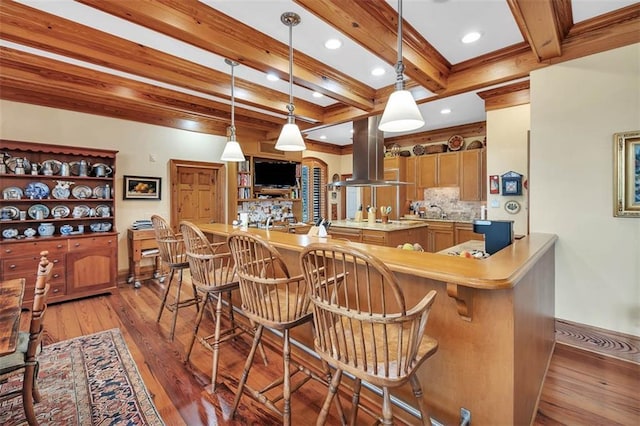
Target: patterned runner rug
point(88, 380)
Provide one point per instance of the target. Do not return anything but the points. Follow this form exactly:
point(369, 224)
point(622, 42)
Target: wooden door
point(197, 192)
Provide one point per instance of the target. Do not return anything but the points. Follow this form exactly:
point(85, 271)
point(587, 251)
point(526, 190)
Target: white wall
point(507, 151)
point(576, 107)
point(136, 142)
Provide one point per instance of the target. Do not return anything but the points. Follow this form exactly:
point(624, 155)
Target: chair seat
point(218, 275)
point(15, 360)
point(350, 357)
point(272, 311)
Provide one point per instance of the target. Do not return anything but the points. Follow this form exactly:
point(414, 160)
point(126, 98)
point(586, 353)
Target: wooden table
point(11, 293)
point(142, 245)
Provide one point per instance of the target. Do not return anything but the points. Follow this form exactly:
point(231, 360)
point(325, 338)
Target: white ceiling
point(441, 22)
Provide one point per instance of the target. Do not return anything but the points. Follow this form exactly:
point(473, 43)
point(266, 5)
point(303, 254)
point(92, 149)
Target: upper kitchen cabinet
point(437, 170)
point(473, 175)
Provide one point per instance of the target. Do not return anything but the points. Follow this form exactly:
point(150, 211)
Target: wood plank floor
point(581, 388)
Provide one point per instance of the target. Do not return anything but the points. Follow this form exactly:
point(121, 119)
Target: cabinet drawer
point(57, 288)
point(33, 248)
point(374, 237)
point(79, 244)
point(27, 267)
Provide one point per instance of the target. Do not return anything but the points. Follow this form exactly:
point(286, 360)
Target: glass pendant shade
point(232, 151)
point(290, 138)
point(401, 113)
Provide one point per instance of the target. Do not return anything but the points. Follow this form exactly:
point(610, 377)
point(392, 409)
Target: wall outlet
point(152, 158)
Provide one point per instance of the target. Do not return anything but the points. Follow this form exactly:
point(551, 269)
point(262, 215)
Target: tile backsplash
point(449, 200)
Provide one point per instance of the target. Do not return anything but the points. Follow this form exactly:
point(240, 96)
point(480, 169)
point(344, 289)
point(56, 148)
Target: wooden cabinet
point(396, 195)
point(464, 232)
point(427, 171)
point(473, 175)
point(80, 202)
point(440, 236)
point(413, 193)
point(351, 234)
point(380, 237)
point(448, 169)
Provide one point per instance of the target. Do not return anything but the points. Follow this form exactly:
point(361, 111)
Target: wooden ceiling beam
point(55, 78)
point(543, 24)
point(196, 23)
point(375, 27)
point(32, 27)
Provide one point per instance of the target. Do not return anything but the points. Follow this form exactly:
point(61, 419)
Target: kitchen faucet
point(443, 215)
point(269, 219)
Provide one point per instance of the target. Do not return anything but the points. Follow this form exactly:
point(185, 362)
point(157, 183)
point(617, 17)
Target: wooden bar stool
point(274, 299)
point(363, 325)
point(172, 253)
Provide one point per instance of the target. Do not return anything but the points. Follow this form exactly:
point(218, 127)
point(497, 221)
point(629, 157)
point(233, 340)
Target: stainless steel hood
point(368, 156)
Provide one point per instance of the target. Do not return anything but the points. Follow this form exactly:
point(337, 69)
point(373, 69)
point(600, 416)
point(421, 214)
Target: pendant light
point(290, 138)
point(401, 113)
point(232, 150)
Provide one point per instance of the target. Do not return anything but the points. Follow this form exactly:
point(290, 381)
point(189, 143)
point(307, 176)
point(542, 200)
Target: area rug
point(88, 380)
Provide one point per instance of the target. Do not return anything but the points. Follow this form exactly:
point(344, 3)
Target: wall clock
point(511, 183)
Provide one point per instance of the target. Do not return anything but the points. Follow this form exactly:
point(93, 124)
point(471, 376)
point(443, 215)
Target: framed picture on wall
point(141, 188)
point(511, 183)
point(626, 179)
point(494, 184)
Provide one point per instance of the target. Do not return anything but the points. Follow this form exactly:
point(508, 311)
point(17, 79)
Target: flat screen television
point(274, 173)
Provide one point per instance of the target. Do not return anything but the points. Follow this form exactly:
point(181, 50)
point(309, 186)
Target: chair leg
point(355, 400)
point(286, 355)
point(417, 392)
point(164, 296)
point(175, 312)
point(197, 326)
point(216, 344)
point(196, 297)
point(27, 394)
point(333, 387)
point(387, 415)
point(247, 367)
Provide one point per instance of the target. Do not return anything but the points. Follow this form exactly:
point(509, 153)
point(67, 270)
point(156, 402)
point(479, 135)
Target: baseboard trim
point(625, 347)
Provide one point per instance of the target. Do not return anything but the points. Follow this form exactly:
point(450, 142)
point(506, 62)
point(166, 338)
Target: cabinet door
point(448, 169)
point(346, 233)
point(471, 179)
point(464, 233)
point(440, 239)
point(90, 271)
point(412, 178)
point(427, 171)
point(393, 196)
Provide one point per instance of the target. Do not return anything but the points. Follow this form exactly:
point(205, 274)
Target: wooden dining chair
point(213, 275)
point(25, 358)
point(171, 247)
point(363, 325)
point(271, 298)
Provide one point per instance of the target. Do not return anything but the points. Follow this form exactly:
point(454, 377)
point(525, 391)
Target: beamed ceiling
point(162, 61)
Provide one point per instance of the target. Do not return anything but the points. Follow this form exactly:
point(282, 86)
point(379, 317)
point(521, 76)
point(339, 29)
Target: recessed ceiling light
point(378, 71)
point(323, 137)
point(351, 130)
point(445, 111)
point(272, 77)
point(317, 95)
point(471, 37)
point(333, 44)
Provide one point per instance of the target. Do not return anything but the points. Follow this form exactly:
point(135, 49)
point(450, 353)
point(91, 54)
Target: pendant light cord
point(399, 65)
point(290, 107)
point(233, 99)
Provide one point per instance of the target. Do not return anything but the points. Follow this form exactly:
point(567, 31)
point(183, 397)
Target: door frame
point(220, 185)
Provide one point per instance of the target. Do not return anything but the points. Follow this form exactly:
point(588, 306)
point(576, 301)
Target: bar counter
point(493, 319)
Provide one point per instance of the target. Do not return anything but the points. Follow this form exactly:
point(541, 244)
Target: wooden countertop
point(392, 225)
point(502, 270)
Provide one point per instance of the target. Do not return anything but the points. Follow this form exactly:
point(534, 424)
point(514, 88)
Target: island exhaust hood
point(368, 156)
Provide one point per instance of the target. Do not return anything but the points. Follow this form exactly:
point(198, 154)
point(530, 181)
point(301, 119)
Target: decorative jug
point(46, 229)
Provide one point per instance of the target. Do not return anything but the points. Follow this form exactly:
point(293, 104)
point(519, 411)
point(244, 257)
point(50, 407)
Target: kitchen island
point(493, 319)
point(390, 234)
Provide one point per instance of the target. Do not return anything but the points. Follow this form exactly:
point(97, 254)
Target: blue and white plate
point(34, 209)
point(82, 191)
point(10, 212)
point(60, 193)
point(37, 190)
point(12, 193)
point(10, 233)
point(60, 211)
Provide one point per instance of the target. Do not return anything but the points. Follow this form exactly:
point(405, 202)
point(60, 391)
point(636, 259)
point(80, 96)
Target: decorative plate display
point(13, 162)
point(418, 149)
point(81, 191)
point(9, 213)
point(512, 206)
point(103, 210)
point(100, 227)
point(60, 193)
point(10, 233)
point(99, 192)
point(37, 191)
point(455, 143)
point(12, 193)
point(81, 211)
point(30, 232)
point(34, 209)
point(477, 144)
point(54, 165)
point(60, 211)
point(101, 170)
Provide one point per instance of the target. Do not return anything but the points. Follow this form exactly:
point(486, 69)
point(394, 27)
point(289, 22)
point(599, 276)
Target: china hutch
point(59, 199)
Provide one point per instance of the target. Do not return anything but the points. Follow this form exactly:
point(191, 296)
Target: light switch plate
point(495, 204)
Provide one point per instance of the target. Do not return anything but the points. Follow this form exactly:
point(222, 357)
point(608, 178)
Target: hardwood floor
point(581, 388)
